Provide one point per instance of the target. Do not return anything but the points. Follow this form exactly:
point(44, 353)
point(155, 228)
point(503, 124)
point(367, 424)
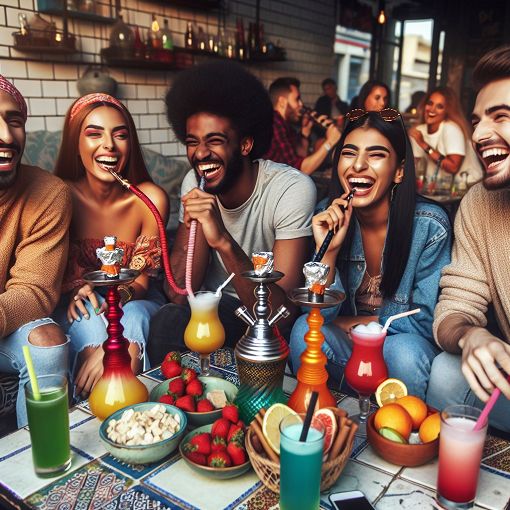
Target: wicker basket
point(269, 471)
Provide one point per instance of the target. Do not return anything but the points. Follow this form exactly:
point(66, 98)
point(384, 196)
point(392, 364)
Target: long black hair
point(367, 87)
point(403, 203)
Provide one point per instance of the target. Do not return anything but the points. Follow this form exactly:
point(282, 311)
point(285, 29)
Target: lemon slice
point(389, 390)
point(392, 435)
point(271, 424)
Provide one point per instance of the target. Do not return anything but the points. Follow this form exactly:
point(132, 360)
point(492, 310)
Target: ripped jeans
point(47, 360)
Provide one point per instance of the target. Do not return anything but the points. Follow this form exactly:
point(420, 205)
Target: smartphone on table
point(350, 500)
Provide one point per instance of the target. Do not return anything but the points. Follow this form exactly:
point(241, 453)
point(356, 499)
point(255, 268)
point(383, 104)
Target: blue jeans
point(408, 356)
point(448, 386)
point(47, 360)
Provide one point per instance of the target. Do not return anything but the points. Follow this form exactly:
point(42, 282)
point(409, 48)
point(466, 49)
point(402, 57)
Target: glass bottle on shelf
point(155, 35)
point(189, 37)
point(121, 35)
point(240, 42)
point(166, 36)
point(201, 39)
point(139, 46)
point(23, 24)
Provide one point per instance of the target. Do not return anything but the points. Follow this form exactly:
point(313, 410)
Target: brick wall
point(304, 27)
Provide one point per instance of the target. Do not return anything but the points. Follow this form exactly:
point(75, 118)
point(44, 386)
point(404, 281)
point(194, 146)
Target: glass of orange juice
point(204, 333)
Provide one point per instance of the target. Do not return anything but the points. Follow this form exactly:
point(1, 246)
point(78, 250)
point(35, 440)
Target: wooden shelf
point(175, 61)
point(54, 50)
point(193, 4)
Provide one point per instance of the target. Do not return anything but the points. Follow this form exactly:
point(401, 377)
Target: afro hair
point(226, 89)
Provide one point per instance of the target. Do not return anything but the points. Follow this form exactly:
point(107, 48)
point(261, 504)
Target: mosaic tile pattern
point(139, 498)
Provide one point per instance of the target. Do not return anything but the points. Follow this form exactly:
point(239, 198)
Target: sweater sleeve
point(33, 287)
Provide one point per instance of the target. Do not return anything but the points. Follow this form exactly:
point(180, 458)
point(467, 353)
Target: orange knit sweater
point(34, 221)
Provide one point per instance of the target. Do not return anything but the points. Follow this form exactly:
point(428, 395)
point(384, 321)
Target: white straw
point(224, 284)
point(398, 316)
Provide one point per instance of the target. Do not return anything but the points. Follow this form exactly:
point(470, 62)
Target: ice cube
point(361, 328)
point(374, 327)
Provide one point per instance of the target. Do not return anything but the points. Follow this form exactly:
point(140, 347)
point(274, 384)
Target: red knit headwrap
point(8, 87)
point(90, 99)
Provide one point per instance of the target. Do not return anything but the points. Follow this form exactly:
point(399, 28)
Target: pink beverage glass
point(460, 454)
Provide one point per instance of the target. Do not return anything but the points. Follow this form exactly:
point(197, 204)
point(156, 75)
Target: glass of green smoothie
point(48, 421)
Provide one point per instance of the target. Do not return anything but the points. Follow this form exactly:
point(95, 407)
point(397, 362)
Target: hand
point(203, 207)
point(333, 135)
point(417, 135)
point(324, 121)
point(333, 218)
point(481, 353)
point(76, 303)
point(90, 371)
point(306, 125)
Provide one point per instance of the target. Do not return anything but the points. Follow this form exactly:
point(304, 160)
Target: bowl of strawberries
point(201, 398)
point(217, 450)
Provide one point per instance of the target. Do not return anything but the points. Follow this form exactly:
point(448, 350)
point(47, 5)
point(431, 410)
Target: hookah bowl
point(261, 354)
point(312, 374)
point(118, 387)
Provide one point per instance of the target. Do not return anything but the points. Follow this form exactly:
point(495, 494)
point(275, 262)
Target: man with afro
point(223, 115)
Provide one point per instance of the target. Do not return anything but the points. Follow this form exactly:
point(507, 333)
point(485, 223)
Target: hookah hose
point(162, 235)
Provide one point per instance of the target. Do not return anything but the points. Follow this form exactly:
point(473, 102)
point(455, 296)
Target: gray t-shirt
point(280, 207)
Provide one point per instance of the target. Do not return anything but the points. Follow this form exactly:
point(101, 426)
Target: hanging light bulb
point(381, 19)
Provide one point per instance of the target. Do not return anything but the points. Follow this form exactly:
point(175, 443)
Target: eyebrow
point(101, 128)
point(13, 113)
point(371, 148)
point(209, 135)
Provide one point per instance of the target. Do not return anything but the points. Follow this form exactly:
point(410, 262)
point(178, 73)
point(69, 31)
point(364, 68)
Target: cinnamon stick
point(340, 440)
point(338, 411)
point(354, 428)
point(269, 451)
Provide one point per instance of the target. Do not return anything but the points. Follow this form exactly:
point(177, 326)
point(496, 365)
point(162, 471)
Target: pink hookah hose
point(162, 235)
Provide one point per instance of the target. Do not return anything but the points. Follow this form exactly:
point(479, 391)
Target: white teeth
point(6, 154)
point(106, 159)
point(208, 167)
point(494, 152)
point(360, 180)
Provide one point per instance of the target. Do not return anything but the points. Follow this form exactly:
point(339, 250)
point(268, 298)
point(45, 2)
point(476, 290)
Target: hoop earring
point(392, 193)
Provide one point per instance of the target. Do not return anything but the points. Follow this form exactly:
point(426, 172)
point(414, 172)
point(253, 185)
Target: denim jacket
point(419, 287)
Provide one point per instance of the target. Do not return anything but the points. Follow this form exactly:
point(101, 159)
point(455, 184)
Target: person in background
point(99, 135)
point(373, 96)
point(441, 144)
point(35, 211)
point(287, 146)
point(330, 103)
point(475, 360)
point(223, 115)
point(386, 254)
point(416, 99)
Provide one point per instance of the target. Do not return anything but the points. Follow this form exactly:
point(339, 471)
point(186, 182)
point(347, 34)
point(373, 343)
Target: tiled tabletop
point(98, 481)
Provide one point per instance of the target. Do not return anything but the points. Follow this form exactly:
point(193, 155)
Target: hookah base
point(264, 373)
point(251, 399)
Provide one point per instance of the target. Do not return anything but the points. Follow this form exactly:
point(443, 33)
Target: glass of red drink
point(365, 369)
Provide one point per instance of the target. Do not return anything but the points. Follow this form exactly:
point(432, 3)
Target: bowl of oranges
point(404, 430)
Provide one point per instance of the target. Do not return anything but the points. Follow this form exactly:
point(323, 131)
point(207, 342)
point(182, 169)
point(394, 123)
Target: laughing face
point(491, 135)
point(435, 111)
point(368, 163)
point(12, 139)
point(214, 150)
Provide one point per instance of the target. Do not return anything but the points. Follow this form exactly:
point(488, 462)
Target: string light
point(381, 19)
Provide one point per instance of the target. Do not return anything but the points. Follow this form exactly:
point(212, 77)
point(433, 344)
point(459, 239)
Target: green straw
point(31, 373)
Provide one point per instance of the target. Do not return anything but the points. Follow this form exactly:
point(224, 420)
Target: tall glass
point(365, 370)
point(204, 333)
point(460, 454)
point(300, 464)
point(48, 421)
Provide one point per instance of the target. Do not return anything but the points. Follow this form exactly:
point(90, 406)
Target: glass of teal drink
point(48, 421)
point(300, 464)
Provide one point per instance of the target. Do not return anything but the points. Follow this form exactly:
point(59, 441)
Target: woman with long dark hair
point(99, 135)
point(387, 252)
point(374, 96)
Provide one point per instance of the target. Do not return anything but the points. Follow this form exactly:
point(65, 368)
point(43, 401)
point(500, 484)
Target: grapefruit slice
point(271, 424)
point(389, 390)
point(328, 419)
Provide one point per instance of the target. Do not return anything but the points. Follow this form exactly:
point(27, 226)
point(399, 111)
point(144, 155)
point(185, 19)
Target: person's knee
point(47, 335)
point(408, 349)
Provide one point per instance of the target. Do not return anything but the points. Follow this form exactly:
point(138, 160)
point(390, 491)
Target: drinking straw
point(309, 415)
point(225, 283)
point(391, 318)
point(31, 373)
point(488, 408)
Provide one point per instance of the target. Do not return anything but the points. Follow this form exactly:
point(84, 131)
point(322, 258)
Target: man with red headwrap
point(35, 210)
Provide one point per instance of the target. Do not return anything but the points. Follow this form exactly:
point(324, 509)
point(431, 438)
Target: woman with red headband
point(99, 135)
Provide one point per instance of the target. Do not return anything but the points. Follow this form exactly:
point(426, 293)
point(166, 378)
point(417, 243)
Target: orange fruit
point(394, 417)
point(429, 429)
point(416, 408)
point(389, 390)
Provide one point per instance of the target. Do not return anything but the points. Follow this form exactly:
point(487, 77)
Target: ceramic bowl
point(210, 383)
point(212, 472)
point(400, 454)
point(143, 454)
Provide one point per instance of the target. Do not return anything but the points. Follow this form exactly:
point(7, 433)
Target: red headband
point(91, 99)
point(8, 87)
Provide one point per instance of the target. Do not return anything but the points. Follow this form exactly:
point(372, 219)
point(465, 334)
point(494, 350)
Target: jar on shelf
point(166, 36)
point(122, 36)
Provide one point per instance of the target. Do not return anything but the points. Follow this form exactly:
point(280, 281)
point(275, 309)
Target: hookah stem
point(315, 117)
point(324, 246)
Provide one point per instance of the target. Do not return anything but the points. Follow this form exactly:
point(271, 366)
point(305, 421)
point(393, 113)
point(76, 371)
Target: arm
point(286, 152)
point(312, 162)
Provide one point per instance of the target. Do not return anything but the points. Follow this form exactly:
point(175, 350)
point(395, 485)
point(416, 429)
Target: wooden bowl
point(400, 454)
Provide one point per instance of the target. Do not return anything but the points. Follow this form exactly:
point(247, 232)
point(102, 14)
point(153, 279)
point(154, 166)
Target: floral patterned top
point(144, 255)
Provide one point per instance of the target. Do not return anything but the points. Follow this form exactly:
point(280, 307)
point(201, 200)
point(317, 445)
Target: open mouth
point(208, 170)
point(7, 158)
point(363, 185)
point(494, 157)
point(108, 163)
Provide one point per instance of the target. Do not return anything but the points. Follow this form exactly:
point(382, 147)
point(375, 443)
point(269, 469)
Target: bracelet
point(126, 293)
point(327, 146)
point(429, 150)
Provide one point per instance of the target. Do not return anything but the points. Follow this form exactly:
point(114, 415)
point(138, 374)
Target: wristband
point(327, 146)
point(126, 293)
point(429, 150)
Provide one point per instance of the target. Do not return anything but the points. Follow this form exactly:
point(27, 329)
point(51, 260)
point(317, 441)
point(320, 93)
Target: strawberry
point(220, 428)
point(197, 458)
point(219, 459)
point(195, 388)
point(201, 443)
point(167, 399)
point(188, 374)
point(235, 434)
point(186, 403)
point(173, 356)
point(241, 424)
point(231, 413)
point(204, 406)
point(177, 387)
point(237, 453)
point(218, 444)
point(170, 369)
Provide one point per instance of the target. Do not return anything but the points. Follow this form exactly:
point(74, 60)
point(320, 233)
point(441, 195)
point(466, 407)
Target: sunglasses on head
point(386, 114)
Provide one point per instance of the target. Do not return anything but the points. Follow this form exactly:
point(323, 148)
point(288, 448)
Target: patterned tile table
point(97, 481)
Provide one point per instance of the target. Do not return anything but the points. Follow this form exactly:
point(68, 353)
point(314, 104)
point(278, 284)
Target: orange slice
point(389, 390)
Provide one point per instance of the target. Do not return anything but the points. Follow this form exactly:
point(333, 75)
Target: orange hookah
point(312, 375)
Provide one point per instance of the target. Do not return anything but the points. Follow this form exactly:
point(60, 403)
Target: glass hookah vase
point(118, 386)
point(312, 374)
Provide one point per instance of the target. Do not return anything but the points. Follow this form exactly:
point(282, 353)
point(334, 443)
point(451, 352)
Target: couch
point(41, 150)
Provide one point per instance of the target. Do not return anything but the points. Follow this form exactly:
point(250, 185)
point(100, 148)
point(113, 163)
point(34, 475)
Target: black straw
point(309, 415)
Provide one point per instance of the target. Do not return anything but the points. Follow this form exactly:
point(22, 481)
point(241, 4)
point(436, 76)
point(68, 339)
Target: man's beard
point(7, 178)
point(232, 174)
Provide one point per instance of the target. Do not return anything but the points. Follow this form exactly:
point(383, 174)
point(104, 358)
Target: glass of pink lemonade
point(460, 454)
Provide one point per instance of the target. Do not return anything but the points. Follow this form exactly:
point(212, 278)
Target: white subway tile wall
point(305, 28)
